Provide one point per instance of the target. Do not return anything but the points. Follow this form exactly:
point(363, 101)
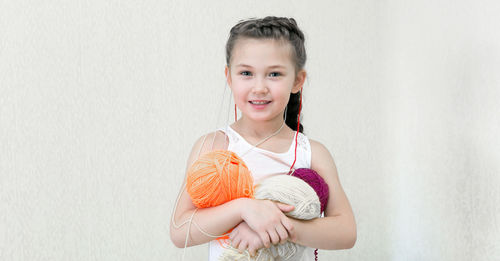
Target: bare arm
point(218, 220)
point(215, 221)
point(228, 215)
point(337, 230)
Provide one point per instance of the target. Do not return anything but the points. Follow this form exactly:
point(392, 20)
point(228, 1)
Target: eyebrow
point(273, 66)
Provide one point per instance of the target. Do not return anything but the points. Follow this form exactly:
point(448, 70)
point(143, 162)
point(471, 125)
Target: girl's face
point(262, 76)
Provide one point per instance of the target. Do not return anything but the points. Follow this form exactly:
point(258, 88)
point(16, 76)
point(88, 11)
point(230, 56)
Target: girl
point(265, 71)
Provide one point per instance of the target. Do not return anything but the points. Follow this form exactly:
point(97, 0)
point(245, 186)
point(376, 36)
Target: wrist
point(297, 226)
point(242, 204)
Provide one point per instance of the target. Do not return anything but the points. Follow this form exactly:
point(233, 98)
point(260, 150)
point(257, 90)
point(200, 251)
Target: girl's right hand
point(244, 238)
point(266, 218)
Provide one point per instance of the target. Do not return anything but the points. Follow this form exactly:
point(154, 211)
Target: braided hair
point(281, 29)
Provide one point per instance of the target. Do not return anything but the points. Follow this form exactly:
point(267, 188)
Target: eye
point(246, 73)
point(275, 74)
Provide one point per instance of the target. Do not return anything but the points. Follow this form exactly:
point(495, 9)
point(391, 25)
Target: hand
point(266, 218)
point(244, 238)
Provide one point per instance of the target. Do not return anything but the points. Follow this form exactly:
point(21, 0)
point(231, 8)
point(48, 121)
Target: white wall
point(100, 102)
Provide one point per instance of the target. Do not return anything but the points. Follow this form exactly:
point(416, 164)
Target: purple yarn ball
point(314, 180)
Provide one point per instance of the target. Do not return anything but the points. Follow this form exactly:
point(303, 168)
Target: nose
point(260, 86)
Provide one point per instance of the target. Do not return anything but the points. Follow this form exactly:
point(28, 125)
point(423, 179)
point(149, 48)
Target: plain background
point(101, 101)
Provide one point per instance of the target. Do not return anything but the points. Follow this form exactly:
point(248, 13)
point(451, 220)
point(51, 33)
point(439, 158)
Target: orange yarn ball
point(218, 177)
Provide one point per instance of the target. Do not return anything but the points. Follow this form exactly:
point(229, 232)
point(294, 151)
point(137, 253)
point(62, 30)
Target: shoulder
point(322, 160)
point(319, 150)
point(216, 140)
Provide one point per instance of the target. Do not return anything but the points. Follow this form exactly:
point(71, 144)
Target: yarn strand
point(268, 137)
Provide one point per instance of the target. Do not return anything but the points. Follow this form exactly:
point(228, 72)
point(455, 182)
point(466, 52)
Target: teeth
point(259, 102)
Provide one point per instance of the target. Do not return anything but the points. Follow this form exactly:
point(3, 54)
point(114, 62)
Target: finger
point(289, 228)
point(233, 234)
point(243, 246)
point(283, 234)
point(235, 242)
point(251, 250)
point(275, 239)
point(265, 239)
point(284, 207)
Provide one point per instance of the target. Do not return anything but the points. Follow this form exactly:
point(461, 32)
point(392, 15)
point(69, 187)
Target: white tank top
point(263, 163)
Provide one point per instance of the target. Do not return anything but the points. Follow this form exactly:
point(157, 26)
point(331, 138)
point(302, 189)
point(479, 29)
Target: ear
point(299, 81)
point(228, 75)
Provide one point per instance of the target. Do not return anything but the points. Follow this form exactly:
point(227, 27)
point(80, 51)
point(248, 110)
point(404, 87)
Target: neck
point(258, 129)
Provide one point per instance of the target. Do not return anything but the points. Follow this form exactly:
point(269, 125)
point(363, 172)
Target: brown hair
point(280, 29)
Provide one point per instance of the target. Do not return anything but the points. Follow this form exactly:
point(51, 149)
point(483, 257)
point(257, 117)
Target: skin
point(252, 76)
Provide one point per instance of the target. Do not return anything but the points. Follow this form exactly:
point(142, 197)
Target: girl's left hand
point(243, 237)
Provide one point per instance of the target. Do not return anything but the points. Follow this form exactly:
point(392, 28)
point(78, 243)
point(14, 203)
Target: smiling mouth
point(259, 102)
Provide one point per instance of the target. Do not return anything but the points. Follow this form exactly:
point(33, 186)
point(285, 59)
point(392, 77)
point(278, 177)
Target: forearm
point(215, 221)
point(335, 232)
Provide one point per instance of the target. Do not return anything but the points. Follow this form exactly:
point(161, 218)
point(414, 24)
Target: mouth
point(259, 102)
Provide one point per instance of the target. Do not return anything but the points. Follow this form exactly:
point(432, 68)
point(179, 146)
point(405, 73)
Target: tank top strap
point(233, 137)
point(304, 149)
